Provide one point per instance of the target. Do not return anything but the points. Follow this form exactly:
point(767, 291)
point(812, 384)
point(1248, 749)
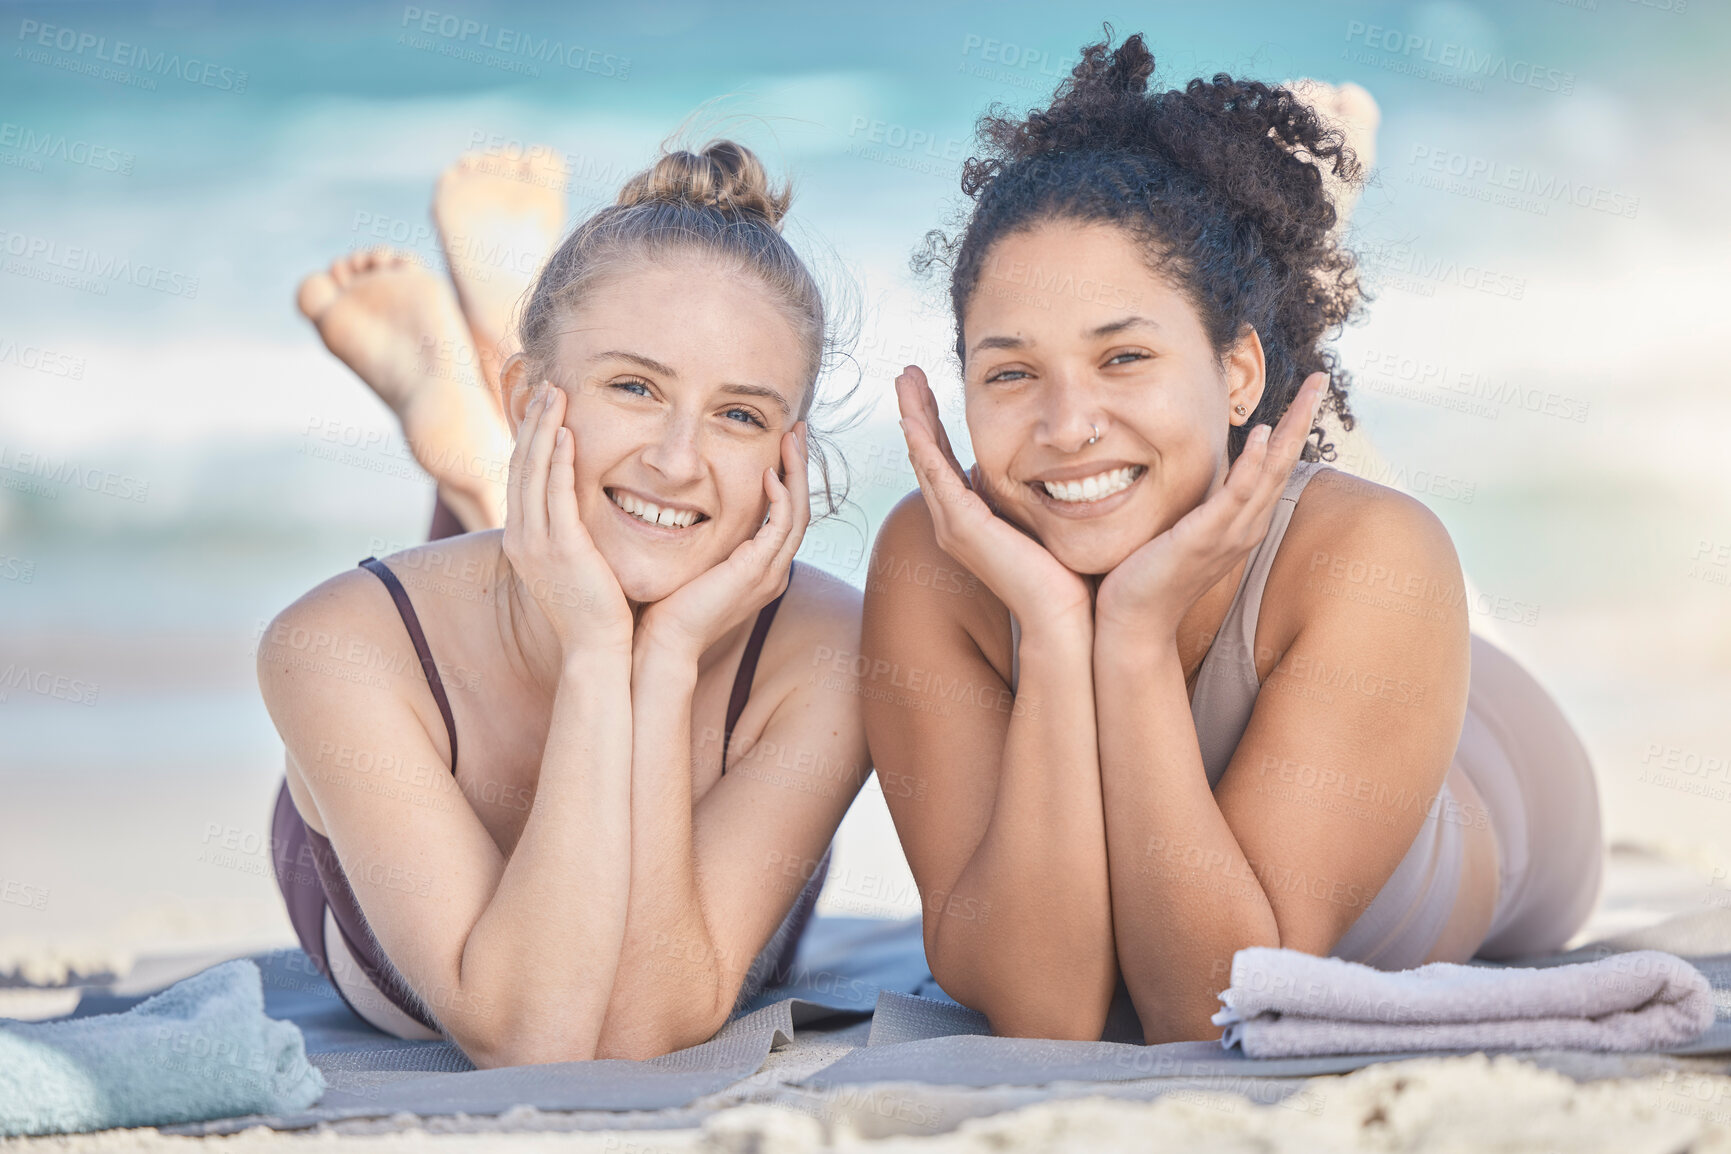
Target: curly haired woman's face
point(681, 382)
point(1068, 330)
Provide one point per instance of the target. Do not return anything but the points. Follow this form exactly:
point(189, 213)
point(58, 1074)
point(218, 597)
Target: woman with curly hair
point(1202, 691)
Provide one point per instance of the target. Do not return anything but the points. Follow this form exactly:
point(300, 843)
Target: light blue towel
point(201, 1049)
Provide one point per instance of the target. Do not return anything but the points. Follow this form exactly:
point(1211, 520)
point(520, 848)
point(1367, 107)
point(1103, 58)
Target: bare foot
point(1354, 111)
point(396, 325)
point(499, 219)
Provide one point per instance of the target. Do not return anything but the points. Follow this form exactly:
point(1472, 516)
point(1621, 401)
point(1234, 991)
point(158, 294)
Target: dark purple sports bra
point(340, 896)
point(735, 701)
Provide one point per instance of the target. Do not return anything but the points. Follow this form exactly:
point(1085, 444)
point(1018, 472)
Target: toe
point(454, 172)
point(316, 294)
point(1355, 103)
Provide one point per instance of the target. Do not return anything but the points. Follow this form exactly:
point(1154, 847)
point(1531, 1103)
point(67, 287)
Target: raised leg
point(1355, 112)
point(398, 327)
point(499, 219)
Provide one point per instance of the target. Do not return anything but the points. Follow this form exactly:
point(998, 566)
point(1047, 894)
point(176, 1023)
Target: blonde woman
point(578, 807)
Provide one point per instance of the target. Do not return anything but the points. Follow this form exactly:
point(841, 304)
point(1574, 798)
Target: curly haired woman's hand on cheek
point(1020, 570)
point(1147, 594)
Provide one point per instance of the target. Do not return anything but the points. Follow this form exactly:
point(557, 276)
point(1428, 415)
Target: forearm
point(542, 958)
point(675, 985)
point(1184, 897)
point(1026, 936)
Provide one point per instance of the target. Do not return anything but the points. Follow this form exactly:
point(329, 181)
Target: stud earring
point(1239, 409)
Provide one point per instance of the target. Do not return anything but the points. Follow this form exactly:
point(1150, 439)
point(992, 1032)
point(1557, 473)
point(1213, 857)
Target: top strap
point(406, 611)
point(1247, 604)
point(748, 667)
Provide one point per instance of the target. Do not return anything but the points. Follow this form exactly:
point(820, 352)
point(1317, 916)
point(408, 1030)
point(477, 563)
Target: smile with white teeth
point(1095, 488)
point(653, 513)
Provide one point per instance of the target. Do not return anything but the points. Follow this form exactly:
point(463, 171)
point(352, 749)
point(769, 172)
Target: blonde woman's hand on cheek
point(1013, 565)
point(555, 560)
point(700, 612)
point(1150, 590)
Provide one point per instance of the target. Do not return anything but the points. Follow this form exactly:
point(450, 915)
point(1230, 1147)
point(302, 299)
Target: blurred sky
point(216, 153)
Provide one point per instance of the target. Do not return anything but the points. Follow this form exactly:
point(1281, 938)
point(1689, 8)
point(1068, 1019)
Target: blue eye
point(1119, 358)
point(629, 385)
point(750, 417)
point(1007, 374)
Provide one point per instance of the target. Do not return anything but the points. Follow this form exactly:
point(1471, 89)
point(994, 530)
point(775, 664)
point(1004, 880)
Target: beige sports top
point(1406, 916)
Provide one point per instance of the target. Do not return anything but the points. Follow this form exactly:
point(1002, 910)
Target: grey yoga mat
point(931, 1039)
point(842, 967)
point(847, 968)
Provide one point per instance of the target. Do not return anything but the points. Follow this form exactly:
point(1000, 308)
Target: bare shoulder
point(346, 616)
point(913, 585)
point(322, 632)
point(339, 652)
point(909, 523)
point(1357, 550)
point(821, 601)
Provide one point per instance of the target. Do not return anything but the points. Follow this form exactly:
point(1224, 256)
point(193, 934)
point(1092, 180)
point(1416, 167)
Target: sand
point(1470, 1103)
point(1465, 1103)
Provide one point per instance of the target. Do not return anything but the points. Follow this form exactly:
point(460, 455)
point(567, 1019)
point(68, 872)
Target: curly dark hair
point(1221, 183)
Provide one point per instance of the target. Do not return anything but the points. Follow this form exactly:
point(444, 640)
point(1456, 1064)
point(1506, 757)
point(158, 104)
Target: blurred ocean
point(1545, 233)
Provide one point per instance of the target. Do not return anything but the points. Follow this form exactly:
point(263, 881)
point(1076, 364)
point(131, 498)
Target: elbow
point(635, 1030)
point(661, 1031)
point(1157, 1030)
point(1054, 1021)
point(1170, 1014)
point(494, 1039)
point(1020, 1001)
point(643, 1045)
point(518, 1043)
point(656, 1040)
point(523, 1050)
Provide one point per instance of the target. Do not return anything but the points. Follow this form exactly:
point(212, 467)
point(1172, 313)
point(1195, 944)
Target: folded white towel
point(1287, 1003)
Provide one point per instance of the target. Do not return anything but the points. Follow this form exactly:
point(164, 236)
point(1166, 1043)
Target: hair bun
point(725, 176)
point(1127, 70)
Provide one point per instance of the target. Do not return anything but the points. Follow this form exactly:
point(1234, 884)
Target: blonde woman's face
point(681, 381)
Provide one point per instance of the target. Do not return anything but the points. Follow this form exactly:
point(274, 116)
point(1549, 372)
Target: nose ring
point(1096, 435)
